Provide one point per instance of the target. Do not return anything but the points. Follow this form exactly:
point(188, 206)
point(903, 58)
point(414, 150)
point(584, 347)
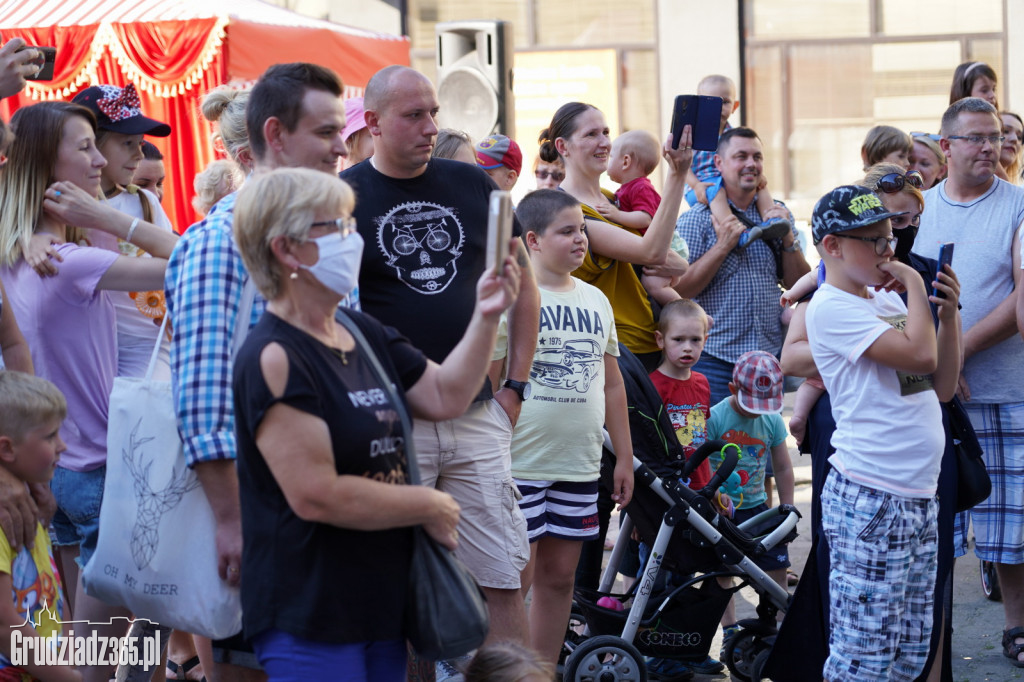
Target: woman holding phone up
point(579, 135)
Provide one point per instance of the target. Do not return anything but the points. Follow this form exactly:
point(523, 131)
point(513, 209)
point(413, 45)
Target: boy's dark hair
point(738, 131)
point(150, 151)
point(538, 208)
point(279, 94)
point(681, 309)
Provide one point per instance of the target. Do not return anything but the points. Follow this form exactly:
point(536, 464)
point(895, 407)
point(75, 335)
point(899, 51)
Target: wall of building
point(695, 38)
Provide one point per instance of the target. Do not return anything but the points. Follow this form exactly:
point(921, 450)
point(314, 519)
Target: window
point(819, 75)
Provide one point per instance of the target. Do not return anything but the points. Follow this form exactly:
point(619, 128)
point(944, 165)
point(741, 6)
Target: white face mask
point(338, 265)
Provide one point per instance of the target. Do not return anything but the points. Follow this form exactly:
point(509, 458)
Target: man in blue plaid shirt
point(295, 118)
point(739, 289)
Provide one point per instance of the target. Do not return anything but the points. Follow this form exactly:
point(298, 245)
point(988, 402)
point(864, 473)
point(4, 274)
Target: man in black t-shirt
point(424, 222)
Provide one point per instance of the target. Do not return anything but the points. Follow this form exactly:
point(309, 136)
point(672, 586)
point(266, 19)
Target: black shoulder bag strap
point(364, 346)
point(774, 244)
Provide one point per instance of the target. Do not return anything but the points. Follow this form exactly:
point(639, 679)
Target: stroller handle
point(706, 449)
point(730, 458)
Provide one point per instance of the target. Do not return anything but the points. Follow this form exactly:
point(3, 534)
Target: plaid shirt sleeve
point(203, 285)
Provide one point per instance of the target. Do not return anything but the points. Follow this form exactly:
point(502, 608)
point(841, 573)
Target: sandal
point(1011, 648)
point(180, 671)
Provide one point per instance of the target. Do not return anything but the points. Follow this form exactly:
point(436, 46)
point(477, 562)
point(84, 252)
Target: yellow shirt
point(36, 586)
point(634, 319)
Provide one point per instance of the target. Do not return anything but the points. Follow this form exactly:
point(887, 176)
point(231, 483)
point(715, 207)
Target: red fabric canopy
point(173, 63)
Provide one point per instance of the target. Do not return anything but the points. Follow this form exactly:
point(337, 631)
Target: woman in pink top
point(51, 182)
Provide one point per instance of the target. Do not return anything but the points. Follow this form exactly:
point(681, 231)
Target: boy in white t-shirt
point(881, 362)
point(575, 387)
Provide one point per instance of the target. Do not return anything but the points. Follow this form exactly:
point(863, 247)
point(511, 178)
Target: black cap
point(117, 110)
point(847, 208)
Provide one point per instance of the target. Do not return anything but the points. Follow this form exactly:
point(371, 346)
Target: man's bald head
point(386, 85)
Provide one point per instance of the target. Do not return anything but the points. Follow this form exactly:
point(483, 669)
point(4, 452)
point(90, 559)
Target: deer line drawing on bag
point(152, 504)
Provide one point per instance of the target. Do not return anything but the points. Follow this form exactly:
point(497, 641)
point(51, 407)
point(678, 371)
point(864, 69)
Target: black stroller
point(688, 537)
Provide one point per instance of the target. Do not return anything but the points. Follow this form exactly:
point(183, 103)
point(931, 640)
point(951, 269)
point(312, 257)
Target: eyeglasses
point(557, 176)
point(978, 140)
point(894, 182)
point(881, 243)
point(930, 136)
point(345, 226)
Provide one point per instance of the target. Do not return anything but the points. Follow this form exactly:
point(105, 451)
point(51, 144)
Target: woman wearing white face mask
point(321, 462)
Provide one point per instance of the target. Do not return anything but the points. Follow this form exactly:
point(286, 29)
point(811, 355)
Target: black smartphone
point(945, 258)
point(703, 114)
point(45, 61)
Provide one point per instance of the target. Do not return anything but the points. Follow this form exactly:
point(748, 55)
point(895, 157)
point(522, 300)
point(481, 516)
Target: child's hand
point(623, 481)
point(762, 182)
point(41, 254)
point(899, 277)
point(608, 210)
point(803, 286)
point(948, 284)
point(798, 428)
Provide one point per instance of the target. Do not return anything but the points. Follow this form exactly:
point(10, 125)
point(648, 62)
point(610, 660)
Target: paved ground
point(977, 622)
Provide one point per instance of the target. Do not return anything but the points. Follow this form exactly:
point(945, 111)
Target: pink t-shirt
point(71, 332)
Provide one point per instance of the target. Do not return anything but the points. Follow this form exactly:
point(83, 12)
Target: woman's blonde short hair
point(282, 203)
point(879, 171)
point(932, 145)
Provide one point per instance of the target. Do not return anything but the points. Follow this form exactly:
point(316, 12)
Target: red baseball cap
point(759, 382)
point(499, 150)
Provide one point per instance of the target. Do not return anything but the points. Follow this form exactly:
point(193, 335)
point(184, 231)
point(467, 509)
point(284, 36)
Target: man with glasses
point(982, 215)
point(738, 288)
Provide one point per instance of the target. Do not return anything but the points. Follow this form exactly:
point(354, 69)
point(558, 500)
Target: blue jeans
point(79, 495)
point(288, 658)
point(718, 373)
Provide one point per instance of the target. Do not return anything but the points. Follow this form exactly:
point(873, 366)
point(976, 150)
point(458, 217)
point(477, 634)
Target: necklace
point(341, 354)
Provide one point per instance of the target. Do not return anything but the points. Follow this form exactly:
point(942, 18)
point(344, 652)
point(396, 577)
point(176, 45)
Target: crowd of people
point(343, 252)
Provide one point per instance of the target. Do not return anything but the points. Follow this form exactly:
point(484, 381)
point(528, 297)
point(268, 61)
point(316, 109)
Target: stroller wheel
point(739, 654)
point(605, 658)
point(757, 668)
point(990, 582)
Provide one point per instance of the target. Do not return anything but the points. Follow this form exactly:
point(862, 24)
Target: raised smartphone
point(499, 228)
point(45, 62)
point(945, 258)
point(703, 114)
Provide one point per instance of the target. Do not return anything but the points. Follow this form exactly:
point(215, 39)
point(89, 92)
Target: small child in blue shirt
point(751, 418)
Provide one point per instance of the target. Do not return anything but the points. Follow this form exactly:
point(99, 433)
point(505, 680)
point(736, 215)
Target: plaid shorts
point(999, 520)
point(559, 509)
point(883, 550)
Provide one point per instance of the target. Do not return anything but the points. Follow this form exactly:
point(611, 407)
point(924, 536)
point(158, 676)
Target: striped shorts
point(884, 552)
point(559, 509)
point(999, 520)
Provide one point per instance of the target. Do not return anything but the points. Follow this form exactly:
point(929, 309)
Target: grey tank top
point(983, 230)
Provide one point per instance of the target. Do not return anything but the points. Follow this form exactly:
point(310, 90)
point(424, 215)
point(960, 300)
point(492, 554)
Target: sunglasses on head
point(930, 136)
point(894, 182)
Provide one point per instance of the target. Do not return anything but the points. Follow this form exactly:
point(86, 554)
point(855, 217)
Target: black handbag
point(446, 612)
point(973, 484)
